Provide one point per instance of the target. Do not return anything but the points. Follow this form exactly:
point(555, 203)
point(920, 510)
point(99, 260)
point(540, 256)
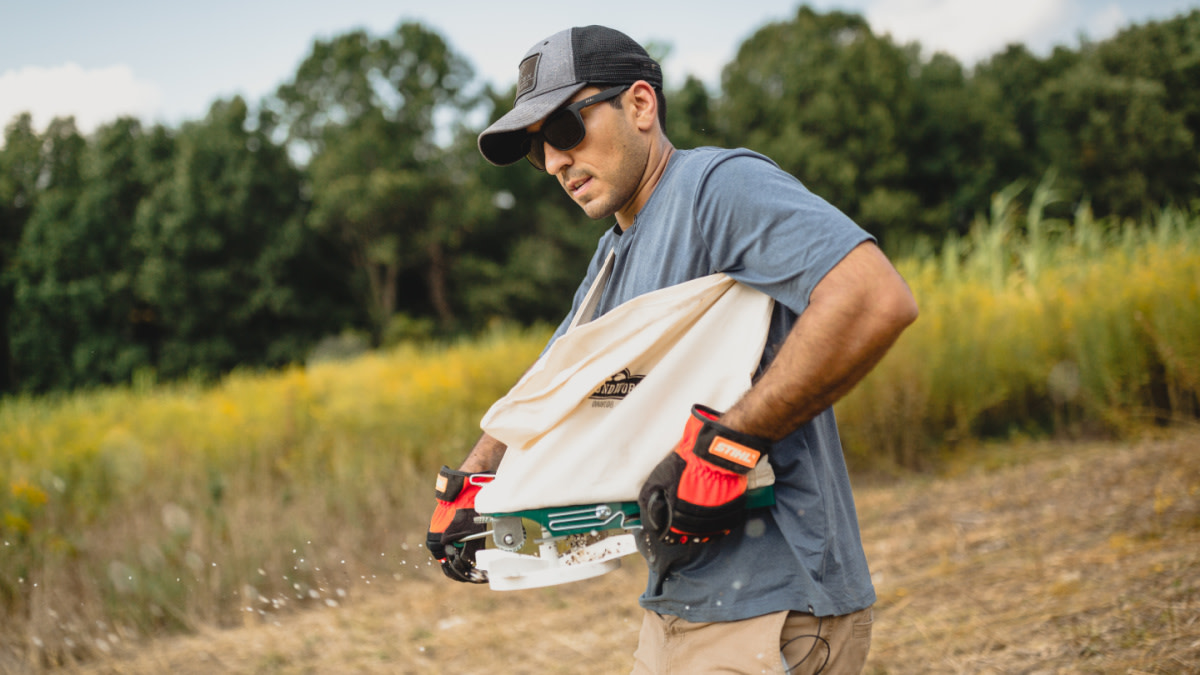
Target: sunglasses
point(564, 128)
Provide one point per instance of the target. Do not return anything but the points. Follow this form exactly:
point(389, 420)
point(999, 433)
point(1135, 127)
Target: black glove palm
point(454, 537)
point(699, 491)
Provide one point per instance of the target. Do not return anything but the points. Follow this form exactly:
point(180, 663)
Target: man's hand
point(699, 491)
point(454, 536)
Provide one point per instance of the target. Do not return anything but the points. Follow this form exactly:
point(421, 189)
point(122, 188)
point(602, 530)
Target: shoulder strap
point(587, 311)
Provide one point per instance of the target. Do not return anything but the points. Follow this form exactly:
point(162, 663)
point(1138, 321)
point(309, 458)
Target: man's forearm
point(855, 315)
point(485, 456)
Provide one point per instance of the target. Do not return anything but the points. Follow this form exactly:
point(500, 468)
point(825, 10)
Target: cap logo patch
point(440, 486)
point(527, 76)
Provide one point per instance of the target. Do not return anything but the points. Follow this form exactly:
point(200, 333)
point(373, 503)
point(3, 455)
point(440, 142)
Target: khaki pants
point(783, 642)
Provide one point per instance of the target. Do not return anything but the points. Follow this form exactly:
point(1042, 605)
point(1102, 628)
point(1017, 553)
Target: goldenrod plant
point(1038, 327)
point(164, 507)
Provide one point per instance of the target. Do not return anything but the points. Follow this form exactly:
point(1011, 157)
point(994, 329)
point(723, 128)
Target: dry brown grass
point(1081, 558)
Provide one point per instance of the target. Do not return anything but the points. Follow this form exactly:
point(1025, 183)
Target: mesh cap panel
point(605, 55)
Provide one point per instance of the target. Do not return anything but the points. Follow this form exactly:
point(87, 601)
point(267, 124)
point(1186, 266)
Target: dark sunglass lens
point(563, 130)
point(537, 151)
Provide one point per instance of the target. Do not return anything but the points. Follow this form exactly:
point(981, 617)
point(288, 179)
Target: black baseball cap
point(554, 70)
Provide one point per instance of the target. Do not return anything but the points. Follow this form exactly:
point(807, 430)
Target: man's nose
point(556, 160)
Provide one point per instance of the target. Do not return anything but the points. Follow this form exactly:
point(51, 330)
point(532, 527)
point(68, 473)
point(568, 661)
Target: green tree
point(43, 338)
point(367, 110)
point(1010, 81)
point(1167, 54)
point(956, 141)
point(1116, 139)
point(20, 167)
point(231, 275)
point(77, 309)
point(1162, 51)
point(829, 101)
point(690, 117)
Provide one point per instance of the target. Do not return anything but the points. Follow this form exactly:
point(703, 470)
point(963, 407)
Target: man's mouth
point(576, 186)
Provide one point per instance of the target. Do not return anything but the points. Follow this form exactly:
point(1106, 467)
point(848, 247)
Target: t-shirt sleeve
point(765, 229)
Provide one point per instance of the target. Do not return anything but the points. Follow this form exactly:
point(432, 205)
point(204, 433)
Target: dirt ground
point(1039, 558)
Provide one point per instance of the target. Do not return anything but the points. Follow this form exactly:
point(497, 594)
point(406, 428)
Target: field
point(1068, 558)
point(152, 516)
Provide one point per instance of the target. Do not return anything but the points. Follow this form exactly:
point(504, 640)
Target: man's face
point(604, 172)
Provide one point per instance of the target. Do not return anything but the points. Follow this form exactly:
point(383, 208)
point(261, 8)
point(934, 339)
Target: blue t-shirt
point(735, 211)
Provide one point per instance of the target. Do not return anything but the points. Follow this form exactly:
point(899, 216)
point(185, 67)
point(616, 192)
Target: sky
point(169, 61)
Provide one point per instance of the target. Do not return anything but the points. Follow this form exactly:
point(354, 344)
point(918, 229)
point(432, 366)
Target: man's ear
point(643, 102)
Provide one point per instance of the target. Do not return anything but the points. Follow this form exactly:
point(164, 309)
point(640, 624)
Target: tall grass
point(156, 508)
point(1037, 326)
point(132, 511)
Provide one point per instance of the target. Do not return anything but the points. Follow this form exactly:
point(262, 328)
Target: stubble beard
point(625, 180)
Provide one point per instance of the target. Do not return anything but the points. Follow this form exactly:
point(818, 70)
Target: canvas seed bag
point(609, 399)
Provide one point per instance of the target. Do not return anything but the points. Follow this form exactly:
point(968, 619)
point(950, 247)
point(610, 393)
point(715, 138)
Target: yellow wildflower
point(29, 493)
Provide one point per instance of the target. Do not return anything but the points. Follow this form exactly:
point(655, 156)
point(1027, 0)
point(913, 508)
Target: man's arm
point(485, 456)
point(854, 315)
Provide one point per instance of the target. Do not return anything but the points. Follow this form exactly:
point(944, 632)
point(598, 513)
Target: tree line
point(353, 199)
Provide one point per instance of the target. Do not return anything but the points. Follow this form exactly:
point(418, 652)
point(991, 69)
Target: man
point(778, 589)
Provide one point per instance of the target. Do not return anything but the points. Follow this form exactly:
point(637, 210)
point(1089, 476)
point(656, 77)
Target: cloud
point(1106, 22)
point(94, 96)
point(970, 31)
